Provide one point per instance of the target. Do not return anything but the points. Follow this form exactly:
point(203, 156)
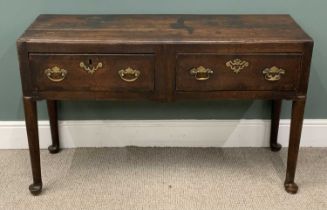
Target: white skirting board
point(163, 133)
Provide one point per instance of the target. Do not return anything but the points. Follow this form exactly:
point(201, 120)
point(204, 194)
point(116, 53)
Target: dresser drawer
point(210, 72)
point(92, 72)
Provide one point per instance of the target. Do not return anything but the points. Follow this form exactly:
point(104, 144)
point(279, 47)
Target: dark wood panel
point(165, 28)
point(96, 95)
point(236, 72)
point(109, 95)
point(223, 94)
point(90, 47)
point(105, 77)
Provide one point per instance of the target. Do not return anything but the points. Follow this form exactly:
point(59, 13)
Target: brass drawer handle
point(201, 73)
point(90, 68)
point(56, 74)
point(273, 74)
point(129, 74)
point(237, 65)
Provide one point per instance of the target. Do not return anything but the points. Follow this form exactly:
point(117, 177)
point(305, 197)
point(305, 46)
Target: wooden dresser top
point(174, 29)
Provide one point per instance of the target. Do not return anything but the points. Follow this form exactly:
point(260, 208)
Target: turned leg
point(294, 143)
point(53, 118)
point(275, 117)
point(33, 143)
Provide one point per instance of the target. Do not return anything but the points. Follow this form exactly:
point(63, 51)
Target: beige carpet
point(163, 178)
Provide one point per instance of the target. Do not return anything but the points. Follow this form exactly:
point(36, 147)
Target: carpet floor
point(164, 178)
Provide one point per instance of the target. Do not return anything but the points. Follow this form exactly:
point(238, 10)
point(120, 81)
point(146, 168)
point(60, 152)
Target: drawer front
point(210, 72)
point(93, 72)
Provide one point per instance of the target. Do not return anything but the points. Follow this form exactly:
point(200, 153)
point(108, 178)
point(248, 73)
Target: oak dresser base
point(164, 58)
